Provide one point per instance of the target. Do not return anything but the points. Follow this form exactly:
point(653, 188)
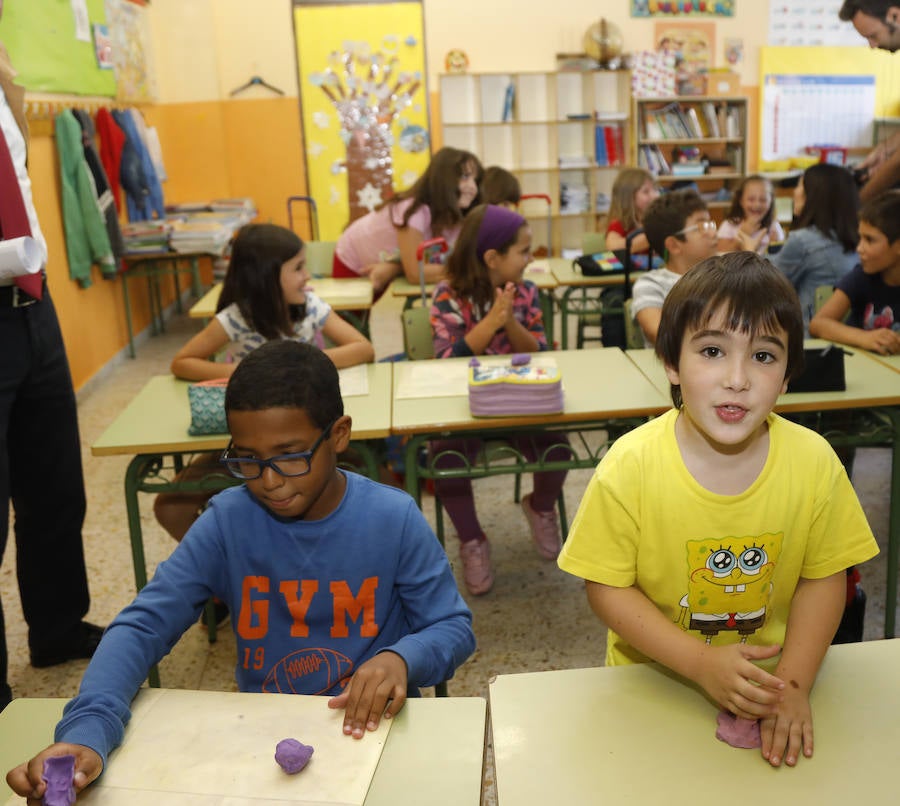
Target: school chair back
point(822, 295)
point(310, 202)
point(417, 338)
point(320, 257)
point(634, 338)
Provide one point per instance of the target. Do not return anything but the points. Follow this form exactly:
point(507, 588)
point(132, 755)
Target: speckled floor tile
point(535, 618)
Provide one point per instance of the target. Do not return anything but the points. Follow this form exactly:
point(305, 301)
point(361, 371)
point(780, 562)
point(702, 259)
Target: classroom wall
point(251, 144)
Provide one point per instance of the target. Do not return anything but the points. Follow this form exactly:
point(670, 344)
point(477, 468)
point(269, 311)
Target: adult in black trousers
point(40, 453)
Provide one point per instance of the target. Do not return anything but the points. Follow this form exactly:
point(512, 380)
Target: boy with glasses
point(680, 230)
point(313, 563)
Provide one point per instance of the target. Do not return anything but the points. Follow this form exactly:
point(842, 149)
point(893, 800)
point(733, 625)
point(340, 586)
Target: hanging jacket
point(83, 223)
point(148, 200)
point(112, 140)
point(104, 194)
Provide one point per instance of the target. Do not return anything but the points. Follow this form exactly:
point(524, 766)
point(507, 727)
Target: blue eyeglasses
point(248, 468)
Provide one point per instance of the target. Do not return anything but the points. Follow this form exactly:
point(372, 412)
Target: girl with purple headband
point(485, 307)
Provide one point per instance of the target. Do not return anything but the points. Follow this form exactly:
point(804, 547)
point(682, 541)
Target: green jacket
point(87, 241)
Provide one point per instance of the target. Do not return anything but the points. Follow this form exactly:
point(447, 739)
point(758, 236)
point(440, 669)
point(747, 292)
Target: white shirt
point(17, 150)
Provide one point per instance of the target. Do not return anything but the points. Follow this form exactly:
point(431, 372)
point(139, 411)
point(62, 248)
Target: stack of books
point(146, 236)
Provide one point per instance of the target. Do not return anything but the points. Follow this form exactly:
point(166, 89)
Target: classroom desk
point(575, 299)
point(433, 752)
point(872, 404)
point(350, 294)
point(602, 390)
point(153, 428)
point(153, 266)
point(637, 735)
point(538, 272)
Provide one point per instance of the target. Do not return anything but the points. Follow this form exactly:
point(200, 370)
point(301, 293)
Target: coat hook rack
point(256, 81)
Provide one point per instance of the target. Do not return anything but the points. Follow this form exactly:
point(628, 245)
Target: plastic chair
point(320, 257)
point(417, 338)
point(634, 337)
point(822, 295)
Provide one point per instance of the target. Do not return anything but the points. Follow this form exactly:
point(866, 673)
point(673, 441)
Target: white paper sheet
point(423, 379)
point(354, 381)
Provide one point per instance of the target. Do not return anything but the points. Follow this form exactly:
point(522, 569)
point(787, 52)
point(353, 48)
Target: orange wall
point(211, 150)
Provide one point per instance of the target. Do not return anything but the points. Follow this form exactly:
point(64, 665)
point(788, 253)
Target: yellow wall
point(251, 145)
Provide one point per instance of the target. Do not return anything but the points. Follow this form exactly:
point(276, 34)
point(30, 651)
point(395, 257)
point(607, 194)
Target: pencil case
point(823, 371)
point(207, 401)
point(514, 388)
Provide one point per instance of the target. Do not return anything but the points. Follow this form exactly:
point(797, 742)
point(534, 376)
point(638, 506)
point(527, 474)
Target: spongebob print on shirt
point(729, 584)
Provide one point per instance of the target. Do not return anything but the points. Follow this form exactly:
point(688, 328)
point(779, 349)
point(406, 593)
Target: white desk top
point(432, 752)
point(635, 735)
point(870, 382)
point(342, 294)
point(597, 384)
point(157, 419)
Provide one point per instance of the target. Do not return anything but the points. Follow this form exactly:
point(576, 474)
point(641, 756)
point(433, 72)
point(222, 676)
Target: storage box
point(723, 82)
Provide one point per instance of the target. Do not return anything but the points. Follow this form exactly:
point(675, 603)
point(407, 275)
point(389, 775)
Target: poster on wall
point(810, 22)
point(693, 45)
point(805, 110)
point(130, 46)
point(364, 105)
point(682, 8)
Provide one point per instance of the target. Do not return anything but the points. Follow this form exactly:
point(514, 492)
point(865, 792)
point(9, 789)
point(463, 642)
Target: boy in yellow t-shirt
point(718, 534)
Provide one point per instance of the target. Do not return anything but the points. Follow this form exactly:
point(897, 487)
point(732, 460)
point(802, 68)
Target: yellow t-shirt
point(723, 567)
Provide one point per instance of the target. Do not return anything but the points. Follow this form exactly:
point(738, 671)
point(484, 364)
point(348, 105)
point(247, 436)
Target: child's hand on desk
point(26, 780)
point(789, 730)
point(883, 341)
point(379, 680)
point(728, 675)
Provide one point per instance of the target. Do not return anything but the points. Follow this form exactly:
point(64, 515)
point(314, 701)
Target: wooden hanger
point(256, 81)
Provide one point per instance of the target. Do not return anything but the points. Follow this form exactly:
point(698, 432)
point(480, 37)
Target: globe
point(603, 41)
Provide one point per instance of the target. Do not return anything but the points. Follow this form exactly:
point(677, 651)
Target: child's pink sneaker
point(476, 562)
point(544, 529)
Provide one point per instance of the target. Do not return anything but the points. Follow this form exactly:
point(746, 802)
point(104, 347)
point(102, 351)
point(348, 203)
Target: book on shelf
point(652, 129)
point(712, 120)
point(694, 121)
point(609, 145)
point(651, 158)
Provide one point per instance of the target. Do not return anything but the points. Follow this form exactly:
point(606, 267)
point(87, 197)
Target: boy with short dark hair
point(679, 229)
point(718, 534)
point(870, 292)
point(312, 561)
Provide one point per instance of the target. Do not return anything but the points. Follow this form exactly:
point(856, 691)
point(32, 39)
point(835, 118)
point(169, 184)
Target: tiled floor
point(535, 618)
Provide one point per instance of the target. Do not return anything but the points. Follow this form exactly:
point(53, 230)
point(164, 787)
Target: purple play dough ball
point(520, 359)
point(59, 772)
point(292, 756)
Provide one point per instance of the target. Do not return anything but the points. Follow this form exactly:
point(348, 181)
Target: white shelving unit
point(543, 128)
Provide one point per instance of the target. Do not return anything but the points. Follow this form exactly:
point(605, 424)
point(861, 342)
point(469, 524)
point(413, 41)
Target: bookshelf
point(563, 134)
point(699, 139)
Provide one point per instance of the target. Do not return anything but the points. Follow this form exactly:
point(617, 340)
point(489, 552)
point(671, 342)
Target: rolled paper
point(292, 756)
point(18, 257)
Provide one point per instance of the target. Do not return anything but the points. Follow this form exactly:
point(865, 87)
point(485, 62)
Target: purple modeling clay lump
point(474, 362)
point(736, 731)
point(520, 359)
point(59, 774)
point(292, 756)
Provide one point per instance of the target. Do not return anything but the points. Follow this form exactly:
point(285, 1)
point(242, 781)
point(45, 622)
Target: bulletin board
point(40, 38)
point(835, 69)
point(364, 105)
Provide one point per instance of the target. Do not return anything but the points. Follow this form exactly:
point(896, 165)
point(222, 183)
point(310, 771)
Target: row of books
point(609, 144)
point(699, 120)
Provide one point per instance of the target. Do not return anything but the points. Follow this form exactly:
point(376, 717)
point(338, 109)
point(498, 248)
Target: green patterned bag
point(207, 399)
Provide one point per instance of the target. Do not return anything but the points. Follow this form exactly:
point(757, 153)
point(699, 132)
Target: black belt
point(11, 296)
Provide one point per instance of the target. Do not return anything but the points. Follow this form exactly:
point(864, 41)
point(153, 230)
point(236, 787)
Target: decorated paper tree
point(368, 93)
